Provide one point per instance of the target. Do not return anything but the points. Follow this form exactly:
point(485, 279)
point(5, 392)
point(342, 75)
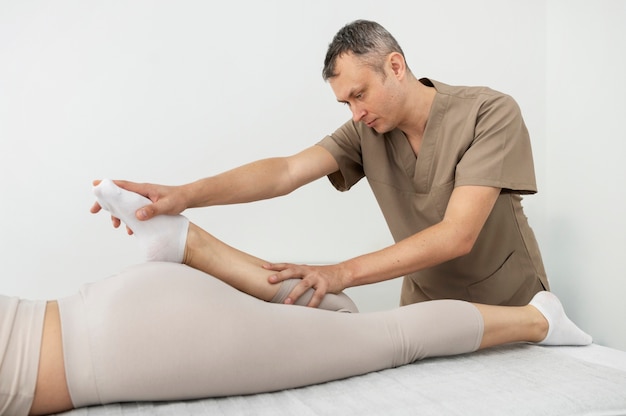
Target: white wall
point(169, 92)
point(586, 232)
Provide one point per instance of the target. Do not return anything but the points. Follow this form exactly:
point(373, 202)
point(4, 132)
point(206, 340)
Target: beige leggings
point(163, 331)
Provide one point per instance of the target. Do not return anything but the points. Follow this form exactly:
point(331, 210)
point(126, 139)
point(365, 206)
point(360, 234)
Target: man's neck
point(419, 102)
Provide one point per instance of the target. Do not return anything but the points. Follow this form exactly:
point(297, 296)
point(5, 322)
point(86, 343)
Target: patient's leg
point(163, 331)
point(175, 239)
point(542, 321)
point(246, 273)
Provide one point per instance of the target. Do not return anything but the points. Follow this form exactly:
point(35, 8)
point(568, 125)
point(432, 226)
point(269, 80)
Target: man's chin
point(381, 129)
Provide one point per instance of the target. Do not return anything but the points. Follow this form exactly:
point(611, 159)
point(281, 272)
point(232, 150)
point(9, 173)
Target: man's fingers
point(277, 267)
point(297, 291)
point(316, 300)
point(147, 212)
point(319, 285)
point(311, 277)
point(128, 185)
point(95, 208)
point(283, 272)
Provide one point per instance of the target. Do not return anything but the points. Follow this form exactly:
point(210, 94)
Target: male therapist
point(447, 164)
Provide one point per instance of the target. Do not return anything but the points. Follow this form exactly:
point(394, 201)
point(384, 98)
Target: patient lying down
point(167, 331)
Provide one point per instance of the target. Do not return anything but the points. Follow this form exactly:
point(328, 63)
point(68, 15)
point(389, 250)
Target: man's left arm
point(466, 213)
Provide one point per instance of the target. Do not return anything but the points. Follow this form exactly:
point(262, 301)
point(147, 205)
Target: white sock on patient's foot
point(162, 237)
point(561, 331)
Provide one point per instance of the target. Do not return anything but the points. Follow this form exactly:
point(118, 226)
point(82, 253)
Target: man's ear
point(397, 64)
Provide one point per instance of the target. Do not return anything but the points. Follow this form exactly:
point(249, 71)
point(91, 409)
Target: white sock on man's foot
point(163, 237)
point(561, 330)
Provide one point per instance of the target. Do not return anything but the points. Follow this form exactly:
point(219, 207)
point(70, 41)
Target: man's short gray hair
point(371, 42)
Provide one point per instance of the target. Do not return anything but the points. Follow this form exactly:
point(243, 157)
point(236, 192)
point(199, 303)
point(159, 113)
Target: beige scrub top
point(474, 136)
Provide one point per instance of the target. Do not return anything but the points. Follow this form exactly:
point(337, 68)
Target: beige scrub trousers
point(474, 136)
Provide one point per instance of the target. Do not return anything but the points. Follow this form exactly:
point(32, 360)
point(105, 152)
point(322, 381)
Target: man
point(446, 164)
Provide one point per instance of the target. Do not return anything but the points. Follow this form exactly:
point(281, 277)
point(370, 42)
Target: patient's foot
point(561, 330)
point(332, 302)
point(163, 238)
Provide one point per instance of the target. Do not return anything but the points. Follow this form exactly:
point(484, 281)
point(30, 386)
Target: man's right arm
point(263, 179)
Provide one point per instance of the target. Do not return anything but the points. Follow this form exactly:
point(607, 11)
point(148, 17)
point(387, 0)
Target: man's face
point(372, 97)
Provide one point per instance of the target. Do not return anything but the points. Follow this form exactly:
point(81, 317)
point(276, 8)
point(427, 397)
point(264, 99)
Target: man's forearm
point(263, 179)
point(433, 246)
point(454, 236)
point(255, 181)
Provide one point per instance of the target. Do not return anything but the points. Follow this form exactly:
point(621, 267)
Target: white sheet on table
point(511, 380)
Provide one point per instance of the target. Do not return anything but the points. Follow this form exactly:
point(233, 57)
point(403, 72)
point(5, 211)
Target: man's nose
point(357, 113)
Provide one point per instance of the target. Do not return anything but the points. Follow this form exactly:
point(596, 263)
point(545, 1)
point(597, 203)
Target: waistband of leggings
point(21, 330)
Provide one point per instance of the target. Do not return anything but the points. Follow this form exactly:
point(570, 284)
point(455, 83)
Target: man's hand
point(166, 200)
point(323, 279)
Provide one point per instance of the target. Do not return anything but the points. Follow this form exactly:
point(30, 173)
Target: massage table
point(519, 379)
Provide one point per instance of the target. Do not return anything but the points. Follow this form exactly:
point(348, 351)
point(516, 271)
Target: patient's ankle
point(191, 244)
point(539, 324)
